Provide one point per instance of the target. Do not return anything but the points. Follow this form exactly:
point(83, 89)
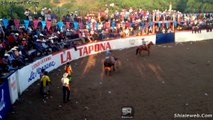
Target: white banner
point(13, 87)
point(65, 56)
point(29, 74)
point(189, 36)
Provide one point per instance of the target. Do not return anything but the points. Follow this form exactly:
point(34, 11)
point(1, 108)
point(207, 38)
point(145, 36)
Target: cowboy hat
point(13, 49)
point(16, 47)
point(6, 55)
point(38, 40)
point(41, 35)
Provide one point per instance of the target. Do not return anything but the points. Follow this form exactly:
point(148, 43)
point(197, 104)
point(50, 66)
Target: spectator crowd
point(46, 33)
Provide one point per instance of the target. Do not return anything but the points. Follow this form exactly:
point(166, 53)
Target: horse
point(145, 48)
point(110, 64)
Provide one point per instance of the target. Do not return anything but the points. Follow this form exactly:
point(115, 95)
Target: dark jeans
point(66, 94)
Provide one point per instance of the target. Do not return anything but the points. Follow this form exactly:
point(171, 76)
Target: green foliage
point(12, 11)
point(94, 6)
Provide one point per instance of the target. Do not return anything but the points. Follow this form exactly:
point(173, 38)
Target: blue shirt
point(143, 42)
point(108, 53)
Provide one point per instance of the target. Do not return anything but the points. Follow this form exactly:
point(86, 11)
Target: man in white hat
point(17, 34)
point(66, 87)
point(143, 42)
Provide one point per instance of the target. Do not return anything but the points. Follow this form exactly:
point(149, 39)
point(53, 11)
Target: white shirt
point(143, 42)
point(65, 81)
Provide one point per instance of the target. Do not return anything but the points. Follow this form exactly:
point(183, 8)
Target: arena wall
point(21, 79)
point(189, 36)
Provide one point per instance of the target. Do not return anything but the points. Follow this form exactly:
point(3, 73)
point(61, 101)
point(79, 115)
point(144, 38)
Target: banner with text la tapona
point(82, 51)
point(13, 87)
point(65, 56)
point(98, 47)
point(29, 74)
point(5, 103)
point(93, 48)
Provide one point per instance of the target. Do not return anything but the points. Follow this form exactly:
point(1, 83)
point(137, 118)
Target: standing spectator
point(45, 80)
point(68, 69)
point(66, 87)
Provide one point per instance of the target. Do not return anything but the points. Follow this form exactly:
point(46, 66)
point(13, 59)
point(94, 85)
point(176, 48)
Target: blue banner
point(150, 24)
point(76, 25)
point(188, 21)
point(5, 103)
point(43, 23)
point(167, 24)
point(26, 23)
point(60, 25)
point(162, 38)
point(96, 25)
point(113, 24)
point(89, 25)
point(159, 24)
point(142, 24)
point(175, 23)
point(132, 24)
point(5, 22)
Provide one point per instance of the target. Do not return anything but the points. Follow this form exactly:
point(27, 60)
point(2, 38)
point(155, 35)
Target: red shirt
point(11, 39)
point(127, 24)
point(107, 25)
point(2, 45)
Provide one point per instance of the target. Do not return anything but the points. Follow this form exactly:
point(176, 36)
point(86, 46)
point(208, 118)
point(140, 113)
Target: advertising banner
point(29, 74)
point(13, 87)
point(5, 103)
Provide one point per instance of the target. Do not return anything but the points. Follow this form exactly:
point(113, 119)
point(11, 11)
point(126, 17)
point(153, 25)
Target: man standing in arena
point(45, 81)
point(41, 82)
point(68, 69)
point(66, 87)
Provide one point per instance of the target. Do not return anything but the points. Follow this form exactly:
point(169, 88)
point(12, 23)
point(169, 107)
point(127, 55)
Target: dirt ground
point(175, 78)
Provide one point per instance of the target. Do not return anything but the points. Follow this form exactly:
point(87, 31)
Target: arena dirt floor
point(174, 79)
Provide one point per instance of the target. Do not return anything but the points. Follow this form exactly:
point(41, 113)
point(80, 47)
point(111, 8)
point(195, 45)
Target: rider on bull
point(108, 53)
point(110, 58)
